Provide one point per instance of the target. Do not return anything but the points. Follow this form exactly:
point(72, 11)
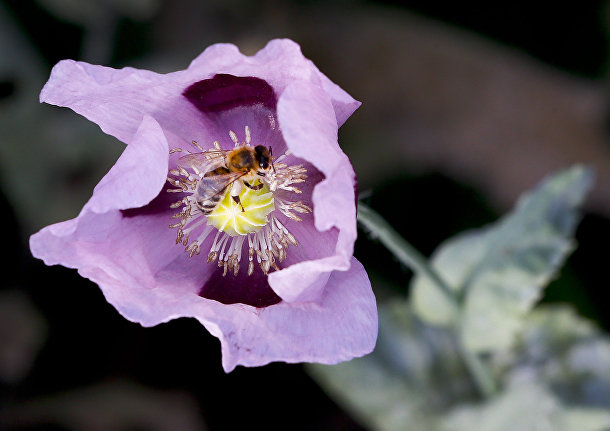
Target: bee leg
point(254, 187)
point(238, 202)
point(236, 189)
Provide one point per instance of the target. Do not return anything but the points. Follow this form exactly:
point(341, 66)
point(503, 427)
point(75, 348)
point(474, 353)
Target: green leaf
point(499, 271)
point(559, 374)
point(414, 373)
point(568, 352)
point(526, 405)
point(556, 378)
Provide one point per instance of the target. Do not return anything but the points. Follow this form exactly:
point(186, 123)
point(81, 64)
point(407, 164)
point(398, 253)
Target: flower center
point(228, 216)
point(234, 196)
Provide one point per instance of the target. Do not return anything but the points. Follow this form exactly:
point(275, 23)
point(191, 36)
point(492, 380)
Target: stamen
point(196, 145)
point(268, 238)
point(234, 137)
point(248, 138)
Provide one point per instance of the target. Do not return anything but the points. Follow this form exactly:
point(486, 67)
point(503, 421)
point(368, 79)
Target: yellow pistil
point(229, 217)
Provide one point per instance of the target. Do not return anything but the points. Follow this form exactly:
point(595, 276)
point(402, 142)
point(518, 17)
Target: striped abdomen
point(211, 188)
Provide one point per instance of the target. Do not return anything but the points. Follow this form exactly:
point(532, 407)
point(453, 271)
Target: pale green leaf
point(454, 261)
point(414, 373)
point(567, 352)
point(557, 377)
point(526, 405)
point(499, 271)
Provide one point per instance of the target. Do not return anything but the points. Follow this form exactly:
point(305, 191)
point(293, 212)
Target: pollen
point(240, 229)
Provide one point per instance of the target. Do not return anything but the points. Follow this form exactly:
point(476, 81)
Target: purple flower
point(265, 261)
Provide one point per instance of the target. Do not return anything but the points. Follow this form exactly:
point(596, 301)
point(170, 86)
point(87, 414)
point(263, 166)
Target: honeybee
point(222, 169)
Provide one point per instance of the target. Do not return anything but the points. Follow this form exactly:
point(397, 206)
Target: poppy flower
point(232, 203)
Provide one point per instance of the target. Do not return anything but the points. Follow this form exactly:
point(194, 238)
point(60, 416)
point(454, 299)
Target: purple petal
point(343, 104)
point(309, 127)
point(116, 100)
point(295, 67)
point(279, 63)
point(138, 175)
point(224, 92)
point(340, 326)
point(251, 290)
point(232, 103)
point(133, 181)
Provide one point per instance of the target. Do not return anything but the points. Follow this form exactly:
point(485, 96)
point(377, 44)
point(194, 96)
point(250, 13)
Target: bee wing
point(203, 162)
point(208, 187)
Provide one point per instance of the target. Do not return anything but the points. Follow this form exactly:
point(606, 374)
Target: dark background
point(84, 342)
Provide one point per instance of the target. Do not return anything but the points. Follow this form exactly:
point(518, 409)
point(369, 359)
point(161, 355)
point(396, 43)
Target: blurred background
point(464, 107)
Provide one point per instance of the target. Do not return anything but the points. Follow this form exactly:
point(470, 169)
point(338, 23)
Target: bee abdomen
point(209, 205)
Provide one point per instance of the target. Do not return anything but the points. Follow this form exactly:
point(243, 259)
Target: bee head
point(263, 158)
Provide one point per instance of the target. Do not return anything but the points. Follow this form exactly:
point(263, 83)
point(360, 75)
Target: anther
point(233, 137)
point(196, 145)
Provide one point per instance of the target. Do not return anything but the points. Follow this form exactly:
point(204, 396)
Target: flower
point(263, 131)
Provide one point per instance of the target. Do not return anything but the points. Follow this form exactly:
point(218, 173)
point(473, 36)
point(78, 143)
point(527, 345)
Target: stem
point(479, 372)
point(404, 252)
point(409, 256)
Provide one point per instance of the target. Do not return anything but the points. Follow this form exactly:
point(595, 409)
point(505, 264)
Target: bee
point(222, 169)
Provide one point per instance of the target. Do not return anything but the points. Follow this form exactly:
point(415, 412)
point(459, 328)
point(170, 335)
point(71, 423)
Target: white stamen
point(268, 242)
point(234, 137)
point(196, 145)
point(248, 138)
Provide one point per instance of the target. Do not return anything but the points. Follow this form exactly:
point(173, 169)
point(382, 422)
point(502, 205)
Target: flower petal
point(341, 326)
point(309, 127)
point(114, 99)
point(296, 66)
point(134, 181)
point(231, 103)
point(118, 99)
point(343, 104)
point(279, 63)
point(138, 175)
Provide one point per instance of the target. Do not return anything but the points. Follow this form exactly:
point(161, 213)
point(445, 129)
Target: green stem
point(479, 372)
point(404, 252)
point(380, 229)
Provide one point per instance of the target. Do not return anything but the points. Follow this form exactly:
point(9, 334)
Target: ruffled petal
point(231, 103)
point(341, 326)
point(343, 104)
point(296, 67)
point(309, 127)
point(280, 62)
point(118, 99)
point(138, 175)
point(136, 179)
